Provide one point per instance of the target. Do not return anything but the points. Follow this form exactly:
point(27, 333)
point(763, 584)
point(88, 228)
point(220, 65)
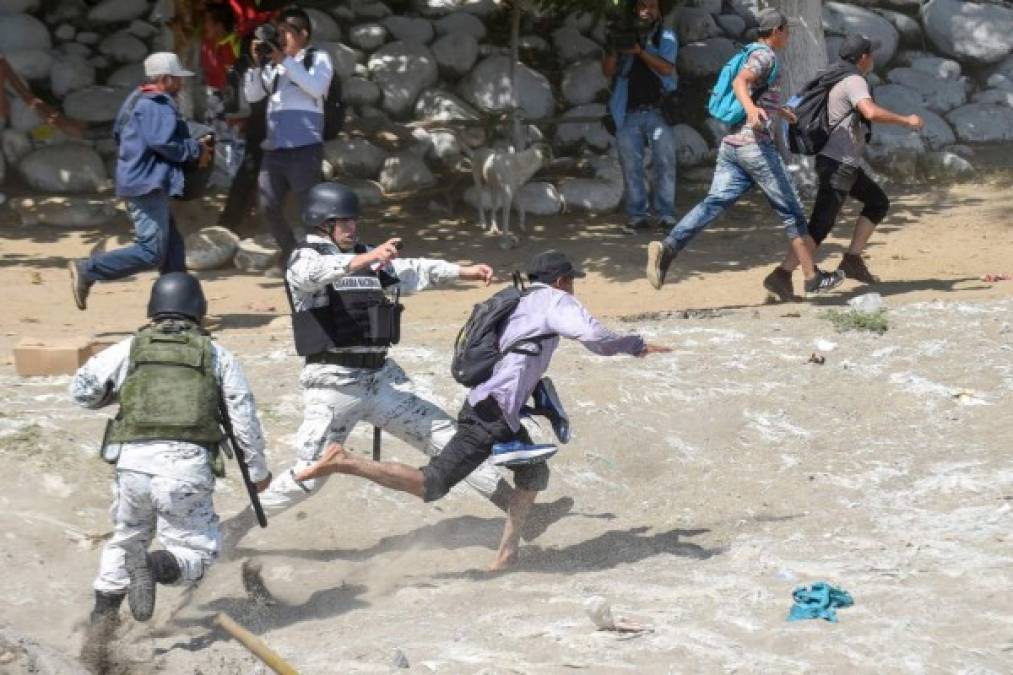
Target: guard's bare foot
point(334, 457)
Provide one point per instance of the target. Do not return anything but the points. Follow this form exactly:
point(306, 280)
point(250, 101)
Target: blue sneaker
point(517, 453)
point(547, 404)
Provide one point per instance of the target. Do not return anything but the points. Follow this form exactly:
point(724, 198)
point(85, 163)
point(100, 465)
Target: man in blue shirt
point(643, 76)
point(154, 143)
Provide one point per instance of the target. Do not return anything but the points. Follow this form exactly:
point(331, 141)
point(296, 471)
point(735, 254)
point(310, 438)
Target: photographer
point(641, 58)
point(294, 78)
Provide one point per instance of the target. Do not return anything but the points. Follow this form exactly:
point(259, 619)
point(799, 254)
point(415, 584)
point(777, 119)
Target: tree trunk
point(515, 98)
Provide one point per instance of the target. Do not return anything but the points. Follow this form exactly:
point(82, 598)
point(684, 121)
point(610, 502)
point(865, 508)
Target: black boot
point(99, 633)
point(147, 570)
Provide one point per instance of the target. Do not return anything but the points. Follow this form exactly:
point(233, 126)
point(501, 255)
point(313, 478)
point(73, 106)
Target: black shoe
point(854, 267)
point(100, 630)
point(659, 258)
point(823, 282)
point(779, 284)
point(79, 286)
point(542, 516)
point(637, 226)
point(547, 404)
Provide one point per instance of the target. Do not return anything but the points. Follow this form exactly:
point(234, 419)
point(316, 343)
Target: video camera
point(624, 29)
point(265, 36)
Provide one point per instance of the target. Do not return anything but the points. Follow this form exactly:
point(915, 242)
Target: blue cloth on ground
point(819, 601)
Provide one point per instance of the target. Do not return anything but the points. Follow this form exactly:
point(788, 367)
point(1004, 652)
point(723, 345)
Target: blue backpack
point(723, 105)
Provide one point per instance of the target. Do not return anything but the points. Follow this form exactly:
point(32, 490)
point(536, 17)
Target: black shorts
point(837, 182)
point(478, 429)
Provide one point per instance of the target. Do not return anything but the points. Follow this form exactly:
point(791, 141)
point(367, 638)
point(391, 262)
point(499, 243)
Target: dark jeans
point(838, 181)
point(157, 242)
point(243, 190)
point(478, 429)
point(282, 171)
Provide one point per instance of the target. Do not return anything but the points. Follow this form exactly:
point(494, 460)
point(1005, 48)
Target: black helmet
point(325, 201)
point(177, 293)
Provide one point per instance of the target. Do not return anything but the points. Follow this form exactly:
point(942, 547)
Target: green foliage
point(874, 322)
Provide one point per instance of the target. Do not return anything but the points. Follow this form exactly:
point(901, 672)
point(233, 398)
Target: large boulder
point(368, 36)
point(705, 59)
point(695, 25)
point(16, 145)
point(360, 91)
point(898, 98)
point(31, 64)
point(842, 19)
point(583, 82)
point(410, 29)
point(539, 198)
point(940, 95)
point(64, 211)
point(600, 194)
point(732, 25)
point(691, 148)
point(117, 11)
point(325, 28)
point(128, 76)
point(123, 47)
point(405, 172)
point(908, 28)
point(945, 166)
point(22, 31)
point(570, 134)
point(258, 254)
point(969, 31)
point(95, 103)
point(21, 117)
point(439, 105)
point(8, 7)
point(461, 22)
point(402, 70)
point(571, 45)
point(455, 54)
point(480, 8)
point(65, 168)
point(935, 66)
point(488, 87)
point(211, 248)
point(982, 123)
point(994, 97)
point(70, 73)
point(342, 56)
point(355, 157)
point(366, 9)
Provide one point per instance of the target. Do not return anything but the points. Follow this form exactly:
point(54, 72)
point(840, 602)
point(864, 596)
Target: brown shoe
point(854, 267)
point(778, 283)
point(659, 259)
point(79, 286)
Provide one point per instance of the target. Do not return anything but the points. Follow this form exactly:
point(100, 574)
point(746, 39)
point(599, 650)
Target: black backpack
point(334, 106)
point(476, 349)
point(810, 134)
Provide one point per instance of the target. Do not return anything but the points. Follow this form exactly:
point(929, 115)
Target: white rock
point(31, 64)
point(22, 31)
point(16, 145)
point(117, 11)
point(342, 56)
point(325, 29)
point(969, 31)
point(439, 105)
point(402, 70)
point(940, 95)
point(123, 47)
point(455, 54)
point(732, 25)
point(95, 103)
point(445, 146)
point(594, 195)
point(571, 46)
point(410, 29)
point(129, 76)
point(370, 10)
point(461, 22)
point(8, 7)
point(695, 25)
point(539, 198)
point(258, 254)
point(64, 211)
point(842, 19)
point(908, 28)
point(691, 148)
point(354, 157)
point(70, 73)
point(368, 36)
point(982, 123)
point(64, 32)
point(937, 67)
point(583, 82)
point(592, 133)
point(705, 59)
point(481, 8)
point(488, 87)
point(210, 248)
point(358, 91)
point(405, 172)
point(69, 167)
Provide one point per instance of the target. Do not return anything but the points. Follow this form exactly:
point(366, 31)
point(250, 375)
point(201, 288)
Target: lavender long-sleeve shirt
point(543, 311)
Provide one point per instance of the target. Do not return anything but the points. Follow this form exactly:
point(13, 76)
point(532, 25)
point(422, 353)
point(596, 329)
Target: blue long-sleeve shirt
point(154, 143)
point(668, 49)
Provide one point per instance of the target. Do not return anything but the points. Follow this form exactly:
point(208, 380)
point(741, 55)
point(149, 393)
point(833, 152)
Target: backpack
point(476, 349)
point(723, 105)
point(811, 132)
point(334, 105)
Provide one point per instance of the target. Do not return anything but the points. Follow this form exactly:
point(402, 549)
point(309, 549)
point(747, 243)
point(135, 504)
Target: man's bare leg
point(863, 231)
point(393, 475)
point(520, 504)
point(801, 252)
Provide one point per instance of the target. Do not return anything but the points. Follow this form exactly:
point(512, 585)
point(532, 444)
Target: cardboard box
point(54, 357)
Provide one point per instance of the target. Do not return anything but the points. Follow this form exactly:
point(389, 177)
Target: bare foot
point(504, 559)
point(331, 461)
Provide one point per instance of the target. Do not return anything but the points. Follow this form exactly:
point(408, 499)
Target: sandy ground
point(708, 483)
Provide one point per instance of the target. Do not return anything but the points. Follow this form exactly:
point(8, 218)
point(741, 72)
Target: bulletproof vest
point(358, 312)
point(170, 392)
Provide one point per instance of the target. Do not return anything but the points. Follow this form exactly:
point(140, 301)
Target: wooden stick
point(257, 646)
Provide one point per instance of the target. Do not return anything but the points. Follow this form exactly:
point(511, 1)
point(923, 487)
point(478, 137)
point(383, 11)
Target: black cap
point(855, 46)
point(551, 265)
point(770, 19)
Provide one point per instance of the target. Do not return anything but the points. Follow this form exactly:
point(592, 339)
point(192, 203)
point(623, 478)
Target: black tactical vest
point(358, 312)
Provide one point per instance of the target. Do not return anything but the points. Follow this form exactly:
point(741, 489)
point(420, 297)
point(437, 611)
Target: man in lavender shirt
point(491, 414)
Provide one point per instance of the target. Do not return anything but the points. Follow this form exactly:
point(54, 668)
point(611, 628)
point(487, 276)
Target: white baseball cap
point(164, 63)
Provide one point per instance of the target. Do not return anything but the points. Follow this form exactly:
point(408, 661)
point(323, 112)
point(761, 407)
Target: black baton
point(376, 443)
point(251, 489)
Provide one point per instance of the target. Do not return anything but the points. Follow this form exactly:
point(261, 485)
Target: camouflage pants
point(181, 513)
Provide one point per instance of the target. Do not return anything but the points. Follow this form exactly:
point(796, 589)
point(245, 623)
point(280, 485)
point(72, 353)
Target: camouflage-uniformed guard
point(169, 380)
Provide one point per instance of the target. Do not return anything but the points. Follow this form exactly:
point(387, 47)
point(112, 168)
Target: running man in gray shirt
point(491, 413)
point(851, 112)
